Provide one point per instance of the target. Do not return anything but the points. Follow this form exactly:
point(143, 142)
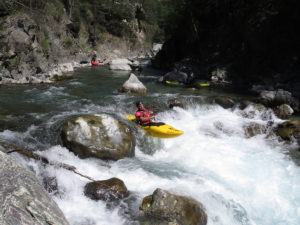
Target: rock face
point(99, 136)
point(133, 85)
point(107, 190)
point(164, 206)
point(23, 200)
point(28, 55)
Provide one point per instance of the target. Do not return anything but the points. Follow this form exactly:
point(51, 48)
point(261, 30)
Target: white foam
point(239, 181)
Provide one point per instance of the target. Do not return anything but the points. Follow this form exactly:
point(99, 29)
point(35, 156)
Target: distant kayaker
point(94, 58)
point(143, 115)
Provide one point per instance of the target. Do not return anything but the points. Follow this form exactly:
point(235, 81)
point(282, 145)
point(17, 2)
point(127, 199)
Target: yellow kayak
point(160, 131)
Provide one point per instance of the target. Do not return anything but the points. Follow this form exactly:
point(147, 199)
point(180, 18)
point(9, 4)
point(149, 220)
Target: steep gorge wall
point(44, 38)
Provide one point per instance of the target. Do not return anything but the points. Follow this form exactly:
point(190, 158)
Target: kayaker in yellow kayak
point(143, 115)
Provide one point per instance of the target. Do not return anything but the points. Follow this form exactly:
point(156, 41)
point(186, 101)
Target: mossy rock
point(289, 129)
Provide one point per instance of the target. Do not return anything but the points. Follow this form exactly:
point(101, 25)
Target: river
point(239, 180)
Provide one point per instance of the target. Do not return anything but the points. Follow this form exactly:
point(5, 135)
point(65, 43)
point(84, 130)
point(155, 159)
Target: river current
point(239, 180)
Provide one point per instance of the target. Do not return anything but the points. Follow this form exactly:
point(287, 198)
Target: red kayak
point(96, 64)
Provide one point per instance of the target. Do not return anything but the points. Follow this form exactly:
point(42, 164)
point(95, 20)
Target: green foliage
point(68, 42)
point(55, 9)
point(15, 61)
point(45, 44)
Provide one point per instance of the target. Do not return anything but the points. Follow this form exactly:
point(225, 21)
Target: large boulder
point(120, 64)
point(175, 209)
point(23, 200)
point(107, 190)
point(100, 136)
point(133, 85)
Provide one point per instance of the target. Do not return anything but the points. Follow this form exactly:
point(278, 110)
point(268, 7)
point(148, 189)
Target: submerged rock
point(23, 200)
point(162, 207)
point(99, 136)
point(176, 102)
point(253, 129)
point(133, 85)
point(107, 190)
point(224, 101)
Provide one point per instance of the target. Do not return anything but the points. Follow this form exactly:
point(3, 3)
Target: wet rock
point(107, 190)
point(162, 207)
point(289, 130)
point(244, 104)
point(253, 129)
point(99, 136)
point(177, 76)
point(176, 102)
point(50, 184)
point(224, 101)
point(279, 97)
point(284, 111)
point(133, 85)
point(23, 200)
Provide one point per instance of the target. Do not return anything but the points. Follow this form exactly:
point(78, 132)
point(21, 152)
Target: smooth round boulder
point(100, 136)
point(107, 190)
point(133, 85)
point(164, 206)
point(23, 200)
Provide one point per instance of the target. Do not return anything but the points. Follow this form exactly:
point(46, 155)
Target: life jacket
point(142, 113)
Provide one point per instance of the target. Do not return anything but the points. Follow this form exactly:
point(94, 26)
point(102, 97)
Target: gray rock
point(133, 85)
point(253, 129)
point(99, 136)
point(284, 111)
point(120, 64)
point(107, 190)
point(23, 200)
point(279, 97)
point(166, 207)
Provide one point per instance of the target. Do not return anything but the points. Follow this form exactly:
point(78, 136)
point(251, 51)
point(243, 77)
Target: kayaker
point(94, 58)
point(143, 115)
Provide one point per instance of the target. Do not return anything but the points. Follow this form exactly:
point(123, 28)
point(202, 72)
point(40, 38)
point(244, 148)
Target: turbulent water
point(239, 180)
